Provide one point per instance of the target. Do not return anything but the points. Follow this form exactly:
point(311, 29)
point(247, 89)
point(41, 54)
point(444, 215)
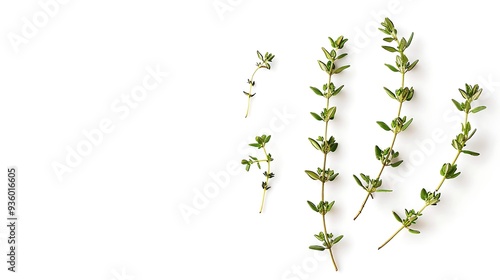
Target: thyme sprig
point(388, 156)
point(261, 142)
point(265, 62)
point(326, 144)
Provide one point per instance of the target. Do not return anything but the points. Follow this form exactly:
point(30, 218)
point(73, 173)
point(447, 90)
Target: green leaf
point(396, 164)
point(330, 205)
point(402, 45)
point(388, 22)
point(455, 144)
point(412, 65)
point(385, 31)
point(332, 42)
point(268, 137)
point(389, 48)
point(409, 40)
point(397, 217)
point(317, 247)
point(390, 93)
point(378, 152)
point(255, 145)
point(444, 169)
point(333, 147)
point(414, 231)
point(364, 177)
point(333, 54)
point(357, 181)
point(470, 153)
point(269, 157)
point(317, 91)
point(322, 66)
point(393, 69)
point(259, 55)
point(423, 194)
point(327, 54)
point(383, 190)
point(453, 176)
point(320, 236)
point(384, 126)
point(457, 104)
point(340, 69)
point(340, 56)
point(337, 90)
point(341, 42)
point(337, 239)
point(407, 124)
point(472, 133)
point(312, 174)
point(330, 113)
point(315, 144)
point(316, 116)
point(313, 207)
point(478, 109)
point(404, 59)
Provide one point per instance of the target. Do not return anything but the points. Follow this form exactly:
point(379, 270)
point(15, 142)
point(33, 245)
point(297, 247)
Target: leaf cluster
point(368, 184)
point(261, 141)
point(331, 57)
point(322, 207)
point(322, 175)
point(430, 198)
point(328, 241)
point(265, 60)
point(325, 146)
point(398, 124)
point(449, 171)
point(401, 94)
point(387, 156)
point(410, 219)
point(403, 65)
point(469, 94)
point(328, 91)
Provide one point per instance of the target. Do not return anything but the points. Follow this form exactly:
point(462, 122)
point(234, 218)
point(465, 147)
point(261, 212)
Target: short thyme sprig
point(261, 142)
point(265, 62)
point(388, 156)
point(448, 170)
point(326, 144)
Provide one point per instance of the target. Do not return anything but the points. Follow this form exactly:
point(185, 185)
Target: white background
point(117, 214)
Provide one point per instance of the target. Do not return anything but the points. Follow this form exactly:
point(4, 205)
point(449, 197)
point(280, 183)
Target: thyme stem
point(267, 178)
point(250, 90)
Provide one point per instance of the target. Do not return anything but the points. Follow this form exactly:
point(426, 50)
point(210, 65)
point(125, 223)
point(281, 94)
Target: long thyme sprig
point(388, 156)
point(326, 144)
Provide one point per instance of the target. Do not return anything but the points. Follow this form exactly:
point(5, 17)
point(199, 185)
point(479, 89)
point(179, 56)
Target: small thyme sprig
point(388, 156)
point(265, 62)
point(448, 170)
point(261, 144)
point(326, 144)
